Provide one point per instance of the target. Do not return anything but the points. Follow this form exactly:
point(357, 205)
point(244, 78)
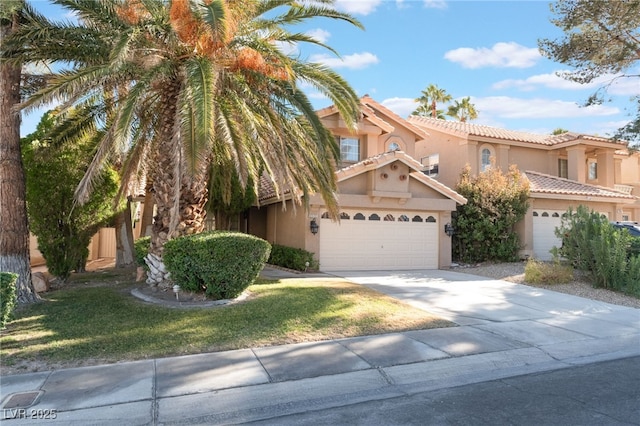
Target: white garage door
point(544, 238)
point(379, 240)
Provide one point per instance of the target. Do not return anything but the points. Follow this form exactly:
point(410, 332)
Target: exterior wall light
point(449, 230)
point(313, 226)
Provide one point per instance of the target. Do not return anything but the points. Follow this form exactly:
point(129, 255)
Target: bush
point(221, 264)
point(141, 249)
point(591, 243)
point(7, 296)
point(484, 226)
point(292, 258)
point(537, 272)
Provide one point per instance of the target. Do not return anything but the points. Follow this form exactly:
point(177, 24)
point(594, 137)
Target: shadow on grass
point(103, 323)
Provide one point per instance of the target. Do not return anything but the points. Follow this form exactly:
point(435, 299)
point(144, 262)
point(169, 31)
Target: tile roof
point(380, 160)
point(268, 191)
point(465, 129)
point(367, 100)
point(547, 184)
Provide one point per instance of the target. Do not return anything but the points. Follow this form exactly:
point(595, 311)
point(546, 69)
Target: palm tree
point(190, 81)
point(463, 110)
point(431, 96)
point(14, 228)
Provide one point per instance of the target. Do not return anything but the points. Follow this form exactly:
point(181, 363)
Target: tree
point(192, 82)
point(431, 96)
point(601, 38)
point(227, 205)
point(559, 131)
point(63, 227)
point(496, 201)
point(463, 110)
point(14, 228)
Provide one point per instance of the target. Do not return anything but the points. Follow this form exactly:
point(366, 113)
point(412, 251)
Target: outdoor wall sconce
point(448, 229)
point(313, 226)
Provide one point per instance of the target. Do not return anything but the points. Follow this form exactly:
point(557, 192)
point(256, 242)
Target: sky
point(487, 50)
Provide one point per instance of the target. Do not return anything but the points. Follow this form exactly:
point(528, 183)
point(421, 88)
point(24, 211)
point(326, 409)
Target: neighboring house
point(564, 171)
point(392, 215)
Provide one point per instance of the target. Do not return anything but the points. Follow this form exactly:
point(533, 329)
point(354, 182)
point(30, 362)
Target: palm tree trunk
point(14, 227)
point(124, 238)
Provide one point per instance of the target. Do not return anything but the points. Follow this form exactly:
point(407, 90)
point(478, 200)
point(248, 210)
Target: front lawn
point(96, 320)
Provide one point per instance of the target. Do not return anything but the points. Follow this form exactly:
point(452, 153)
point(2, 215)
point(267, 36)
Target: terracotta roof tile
point(548, 184)
point(465, 129)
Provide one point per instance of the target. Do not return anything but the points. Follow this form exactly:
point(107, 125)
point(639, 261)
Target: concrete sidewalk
point(504, 330)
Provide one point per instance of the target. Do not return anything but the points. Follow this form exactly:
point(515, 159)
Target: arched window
point(487, 156)
point(389, 218)
point(485, 162)
point(431, 219)
point(374, 217)
point(344, 215)
point(416, 219)
point(325, 215)
point(358, 216)
point(403, 218)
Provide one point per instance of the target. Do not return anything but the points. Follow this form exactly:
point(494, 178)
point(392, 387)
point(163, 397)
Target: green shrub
point(141, 249)
point(537, 272)
point(292, 258)
point(484, 226)
point(221, 264)
point(591, 243)
point(7, 296)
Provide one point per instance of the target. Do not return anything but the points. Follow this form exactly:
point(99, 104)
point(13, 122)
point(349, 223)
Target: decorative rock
point(40, 282)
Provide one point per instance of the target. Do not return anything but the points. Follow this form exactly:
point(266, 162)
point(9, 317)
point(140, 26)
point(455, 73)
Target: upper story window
point(563, 168)
point(393, 146)
point(349, 149)
point(593, 170)
point(485, 159)
point(431, 165)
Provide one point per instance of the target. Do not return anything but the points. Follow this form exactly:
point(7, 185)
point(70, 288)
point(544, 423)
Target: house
point(392, 215)
point(564, 171)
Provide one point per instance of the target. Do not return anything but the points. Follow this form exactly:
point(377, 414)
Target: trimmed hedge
point(292, 258)
point(7, 296)
point(221, 264)
point(141, 249)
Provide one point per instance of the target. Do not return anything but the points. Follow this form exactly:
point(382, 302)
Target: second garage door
point(379, 240)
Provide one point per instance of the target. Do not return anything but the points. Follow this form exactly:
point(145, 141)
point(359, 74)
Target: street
point(606, 393)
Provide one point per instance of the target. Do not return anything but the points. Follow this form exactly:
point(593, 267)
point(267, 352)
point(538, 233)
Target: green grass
point(98, 320)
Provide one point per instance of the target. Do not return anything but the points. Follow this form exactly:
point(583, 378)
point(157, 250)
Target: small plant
point(7, 296)
point(292, 258)
point(220, 264)
point(537, 272)
point(141, 249)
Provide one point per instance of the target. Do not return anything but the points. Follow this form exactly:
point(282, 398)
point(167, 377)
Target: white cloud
point(615, 85)
point(435, 4)
point(508, 107)
point(401, 106)
point(501, 55)
point(358, 7)
point(319, 34)
point(355, 61)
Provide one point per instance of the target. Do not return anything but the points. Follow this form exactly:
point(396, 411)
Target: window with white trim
point(349, 149)
point(431, 165)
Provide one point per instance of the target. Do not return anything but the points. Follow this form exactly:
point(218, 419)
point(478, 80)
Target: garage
point(367, 239)
point(545, 223)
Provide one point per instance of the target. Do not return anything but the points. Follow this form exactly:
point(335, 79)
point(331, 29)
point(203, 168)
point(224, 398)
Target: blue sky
point(483, 49)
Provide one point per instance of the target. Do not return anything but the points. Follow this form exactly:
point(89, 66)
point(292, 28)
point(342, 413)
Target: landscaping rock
point(40, 282)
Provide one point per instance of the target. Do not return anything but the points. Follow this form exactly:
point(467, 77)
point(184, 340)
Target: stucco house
point(392, 215)
point(564, 171)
